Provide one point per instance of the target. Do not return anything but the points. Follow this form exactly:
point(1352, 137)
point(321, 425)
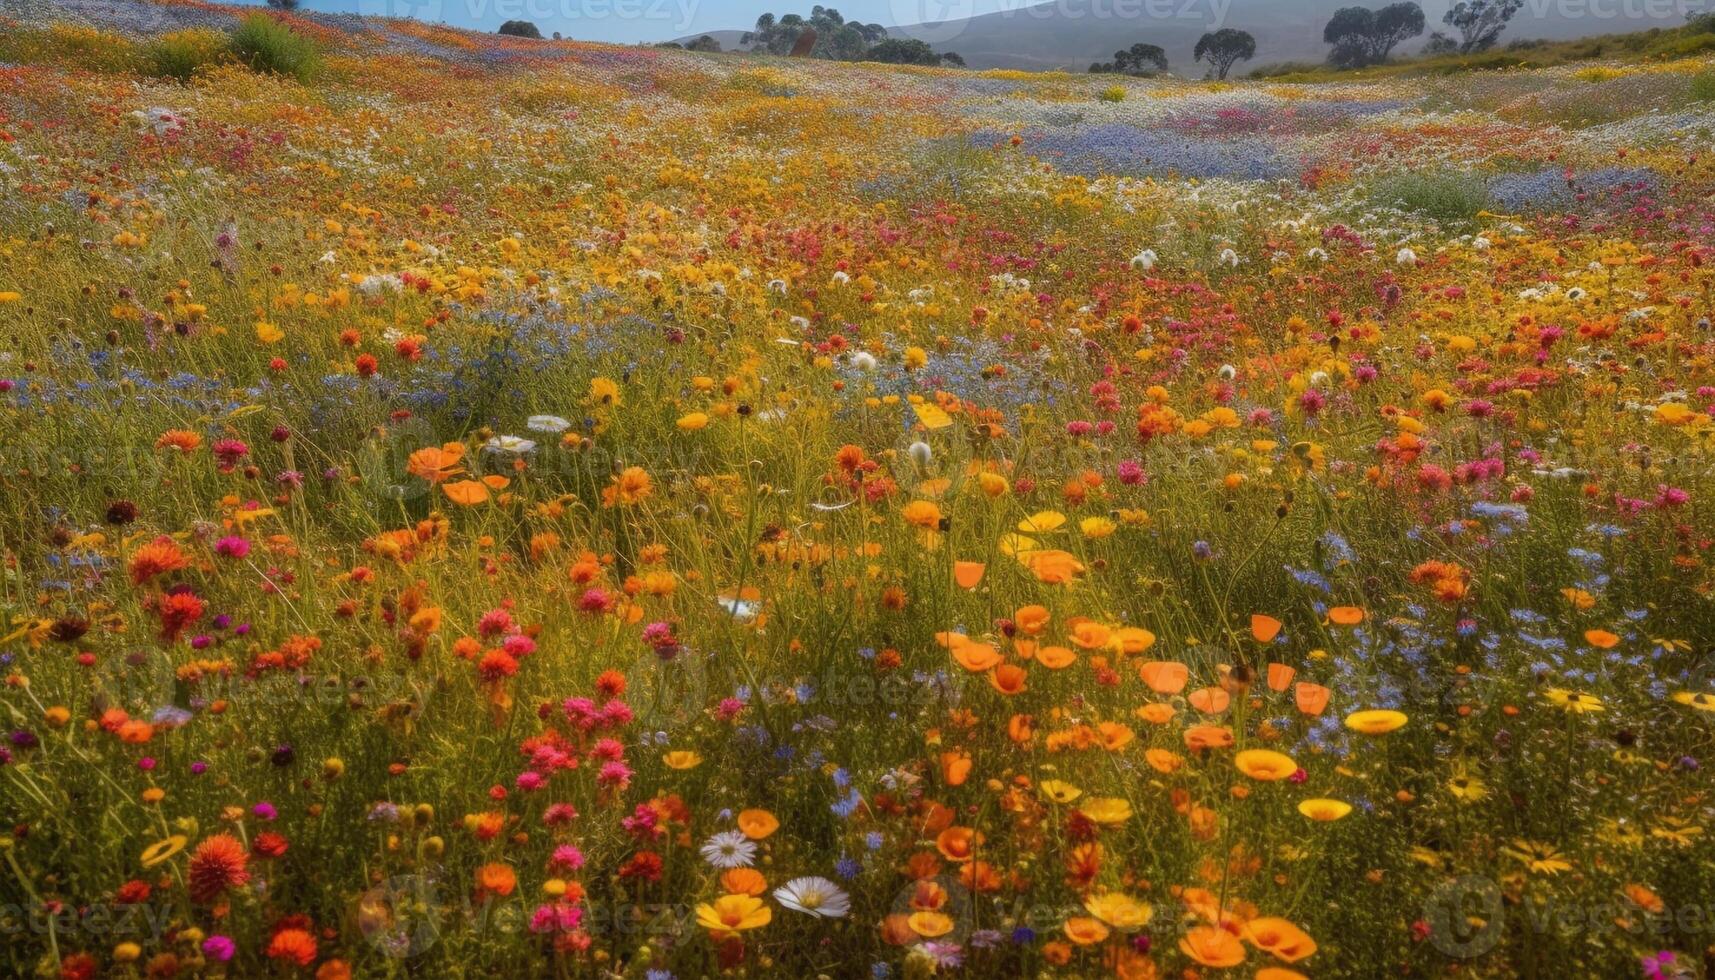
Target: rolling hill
point(1070, 34)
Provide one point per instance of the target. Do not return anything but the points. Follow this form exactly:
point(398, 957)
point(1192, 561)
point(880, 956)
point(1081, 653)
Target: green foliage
point(520, 28)
point(1139, 59)
point(72, 45)
point(178, 55)
point(1224, 48)
point(1447, 198)
point(1703, 87)
point(1361, 36)
point(267, 45)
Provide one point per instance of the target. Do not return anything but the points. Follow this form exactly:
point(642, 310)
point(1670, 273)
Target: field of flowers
point(519, 509)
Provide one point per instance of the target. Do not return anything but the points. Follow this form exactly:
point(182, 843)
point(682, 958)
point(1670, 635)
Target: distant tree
point(1440, 43)
point(1480, 22)
point(283, 4)
point(1225, 48)
point(952, 58)
point(1361, 36)
point(704, 43)
point(828, 34)
point(903, 51)
point(520, 28)
point(1139, 59)
point(556, 35)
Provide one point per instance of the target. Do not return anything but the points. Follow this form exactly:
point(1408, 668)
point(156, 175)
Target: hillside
point(1070, 34)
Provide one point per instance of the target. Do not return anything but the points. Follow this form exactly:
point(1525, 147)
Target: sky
point(630, 21)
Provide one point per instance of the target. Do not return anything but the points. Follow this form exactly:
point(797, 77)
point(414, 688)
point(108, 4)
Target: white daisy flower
point(546, 423)
point(814, 896)
point(509, 444)
point(1144, 260)
point(729, 849)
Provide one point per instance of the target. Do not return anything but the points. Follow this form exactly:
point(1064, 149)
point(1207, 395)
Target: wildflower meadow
point(474, 506)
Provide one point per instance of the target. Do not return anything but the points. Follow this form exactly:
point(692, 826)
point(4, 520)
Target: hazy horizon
point(649, 21)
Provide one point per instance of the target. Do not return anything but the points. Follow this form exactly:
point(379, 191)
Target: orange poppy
point(958, 843)
point(1115, 736)
point(743, 881)
point(1084, 930)
point(1156, 713)
point(1008, 679)
point(1054, 658)
point(1052, 566)
point(950, 640)
point(1346, 615)
point(1089, 634)
point(466, 493)
point(1212, 947)
point(1312, 699)
point(1132, 640)
point(1031, 620)
point(1280, 937)
point(1164, 676)
point(976, 657)
point(757, 824)
point(1601, 639)
point(1163, 761)
point(1209, 700)
point(955, 767)
point(1264, 628)
point(1279, 676)
point(1208, 737)
point(968, 574)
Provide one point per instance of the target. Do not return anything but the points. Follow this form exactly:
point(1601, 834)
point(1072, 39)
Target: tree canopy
point(829, 35)
point(1480, 22)
point(1224, 48)
point(1361, 36)
point(1139, 59)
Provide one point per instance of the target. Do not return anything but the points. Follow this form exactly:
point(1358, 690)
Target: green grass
point(1448, 198)
point(1657, 44)
point(267, 45)
point(178, 55)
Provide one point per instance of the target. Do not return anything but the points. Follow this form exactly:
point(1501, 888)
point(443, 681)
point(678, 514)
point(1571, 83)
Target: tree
point(1396, 23)
point(903, 51)
point(952, 58)
point(704, 43)
point(828, 34)
point(1225, 48)
point(1139, 59)
point(520, 28)
point(283, 4)
point(1439, 44)
point(1361, 36)
point(1480, 22)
